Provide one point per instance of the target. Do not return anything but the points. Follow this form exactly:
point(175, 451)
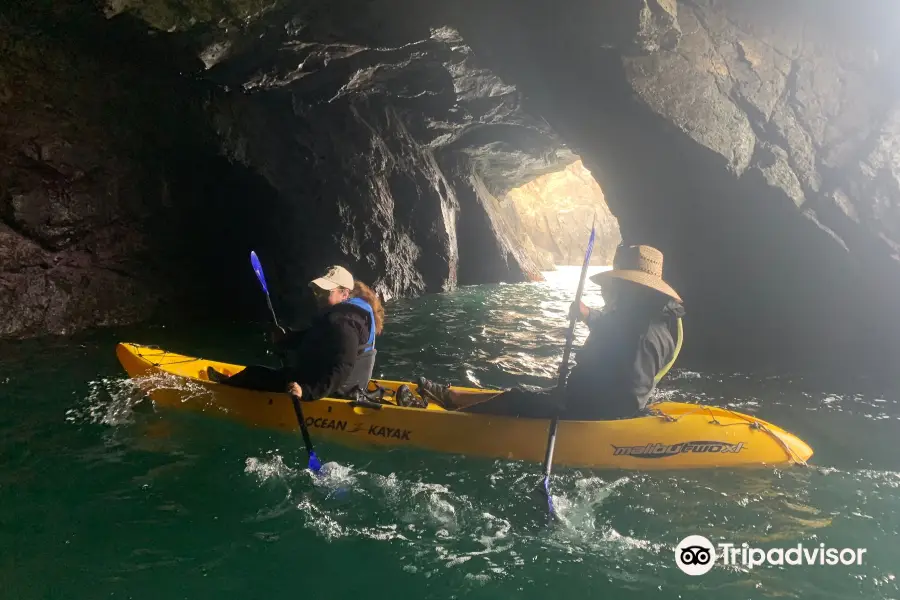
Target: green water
point(101, 496)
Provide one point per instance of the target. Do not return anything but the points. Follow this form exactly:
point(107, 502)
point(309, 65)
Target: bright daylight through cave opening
point(553, 215)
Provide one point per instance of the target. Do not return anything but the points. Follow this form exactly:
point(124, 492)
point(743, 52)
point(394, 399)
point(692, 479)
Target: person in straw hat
point(632, 344)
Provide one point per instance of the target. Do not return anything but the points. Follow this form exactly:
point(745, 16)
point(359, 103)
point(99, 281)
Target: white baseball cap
point(335, 277)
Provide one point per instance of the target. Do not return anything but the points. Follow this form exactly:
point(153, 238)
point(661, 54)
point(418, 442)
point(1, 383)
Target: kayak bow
point(674, 435)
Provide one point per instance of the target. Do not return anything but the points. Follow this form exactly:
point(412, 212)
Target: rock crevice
point(755, 143)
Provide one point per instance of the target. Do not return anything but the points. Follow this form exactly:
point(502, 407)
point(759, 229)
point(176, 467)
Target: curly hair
point(361, 290)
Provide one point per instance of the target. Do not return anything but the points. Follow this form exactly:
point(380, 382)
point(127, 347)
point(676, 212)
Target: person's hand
point(294, 390)
point(580, 311)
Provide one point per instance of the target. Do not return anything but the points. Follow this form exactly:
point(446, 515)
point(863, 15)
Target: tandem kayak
point(672, 435)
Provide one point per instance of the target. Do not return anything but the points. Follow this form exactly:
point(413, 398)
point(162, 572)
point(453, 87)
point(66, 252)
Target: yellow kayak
point(674, 436)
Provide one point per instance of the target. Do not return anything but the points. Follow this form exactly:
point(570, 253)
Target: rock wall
point(750, 142)
point(556, 211)
point(492, 240)
point(116, 205)
point(128, 190)
point(386, 160)
point(76, 201)
point(755, 143)
point(389, 212)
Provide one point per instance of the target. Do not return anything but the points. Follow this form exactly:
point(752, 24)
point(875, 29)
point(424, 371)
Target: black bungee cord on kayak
point(561, 380)
point(314, 465)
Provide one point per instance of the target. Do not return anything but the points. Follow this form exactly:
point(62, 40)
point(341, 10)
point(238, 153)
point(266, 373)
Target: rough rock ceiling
point(754, 143)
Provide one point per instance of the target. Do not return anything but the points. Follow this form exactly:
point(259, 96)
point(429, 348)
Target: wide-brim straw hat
point(642, 265)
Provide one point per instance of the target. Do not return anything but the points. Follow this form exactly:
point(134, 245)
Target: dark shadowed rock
point(105, 163)
point(753, 142)
point(390, 215)
point(389, 116)
point(492, 241)
point(733, 151)
point(68, 200)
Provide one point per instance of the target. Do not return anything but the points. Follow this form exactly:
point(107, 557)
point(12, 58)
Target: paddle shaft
point(272, 311)
point(564, 365)
point(303, 430)
point(295, 400)
point(573, 318)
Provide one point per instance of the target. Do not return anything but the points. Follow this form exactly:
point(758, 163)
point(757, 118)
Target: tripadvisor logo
point(696, 555)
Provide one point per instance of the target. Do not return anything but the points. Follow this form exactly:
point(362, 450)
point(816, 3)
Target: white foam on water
point(661, 395)
point(270, 468)
point(323, 522)
point(436, 529)
point(111, 401)
point(577, 512)
point(381, 533)
point(436, 524)
point(480, 578)
point(334, 473)
point(889, 478)
point(686, 375)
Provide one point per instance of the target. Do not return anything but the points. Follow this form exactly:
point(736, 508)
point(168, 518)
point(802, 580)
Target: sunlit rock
point(147, 146)
point(556, 212)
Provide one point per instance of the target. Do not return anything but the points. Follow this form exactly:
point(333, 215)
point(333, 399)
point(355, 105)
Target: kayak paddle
point(563, 372)
point(314, 465)
point(257, 268)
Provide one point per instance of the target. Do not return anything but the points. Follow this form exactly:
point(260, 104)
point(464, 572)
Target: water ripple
point(108, 497)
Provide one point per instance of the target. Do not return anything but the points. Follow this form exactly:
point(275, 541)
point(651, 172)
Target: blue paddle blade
point(314, 465)
point(257, 268)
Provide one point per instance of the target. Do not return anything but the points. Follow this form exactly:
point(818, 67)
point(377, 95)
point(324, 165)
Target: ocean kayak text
point(376, 430)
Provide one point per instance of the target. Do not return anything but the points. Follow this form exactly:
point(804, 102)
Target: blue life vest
point(359, 302)
point(365, 358)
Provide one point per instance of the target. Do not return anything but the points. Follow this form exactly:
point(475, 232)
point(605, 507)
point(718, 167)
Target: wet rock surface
point(108, 174)
point(71, 204)
point(730, 142)
point(754, 143)
point(557, 210)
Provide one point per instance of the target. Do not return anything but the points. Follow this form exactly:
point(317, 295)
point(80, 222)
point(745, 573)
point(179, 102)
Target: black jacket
point(616, 367)
point(320, 358)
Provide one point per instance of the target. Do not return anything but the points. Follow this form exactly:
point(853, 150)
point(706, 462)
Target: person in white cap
point(332, 356)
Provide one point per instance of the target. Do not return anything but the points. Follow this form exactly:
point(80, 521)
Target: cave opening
point(536, 226)
point(412, 153)
point(556, 212)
